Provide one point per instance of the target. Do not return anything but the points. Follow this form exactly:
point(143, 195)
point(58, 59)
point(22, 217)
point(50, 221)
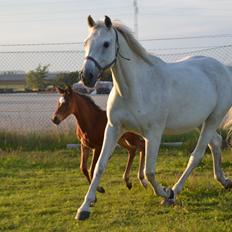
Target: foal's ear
point(108, 22)
point(69, 90)
point(91, 22)
point(60, 90)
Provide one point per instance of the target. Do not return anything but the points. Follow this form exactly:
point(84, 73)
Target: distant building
point(19, 77)
point(12, 77)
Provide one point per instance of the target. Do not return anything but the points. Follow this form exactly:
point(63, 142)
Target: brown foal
point(91, 123)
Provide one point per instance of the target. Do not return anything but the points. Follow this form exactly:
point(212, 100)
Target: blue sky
point(36, 21)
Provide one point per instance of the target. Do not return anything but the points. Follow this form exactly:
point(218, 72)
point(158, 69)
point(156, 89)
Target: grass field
point(12, 85)
point(40, 191)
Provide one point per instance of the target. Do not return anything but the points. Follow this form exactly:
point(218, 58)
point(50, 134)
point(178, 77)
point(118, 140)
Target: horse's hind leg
point(152, 147)
point(207, 132)
point(215, 147)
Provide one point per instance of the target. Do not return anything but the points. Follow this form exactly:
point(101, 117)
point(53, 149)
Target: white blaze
point(61, 100)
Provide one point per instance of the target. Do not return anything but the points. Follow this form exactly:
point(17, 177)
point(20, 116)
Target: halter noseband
point(102, 69)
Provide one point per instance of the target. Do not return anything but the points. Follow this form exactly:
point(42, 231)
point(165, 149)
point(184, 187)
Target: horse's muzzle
point(56, 120)
point(89, 75)
point(89, 80)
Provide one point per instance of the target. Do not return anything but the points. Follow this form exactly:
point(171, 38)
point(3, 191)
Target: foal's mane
point(130, 39)
point(89, 101)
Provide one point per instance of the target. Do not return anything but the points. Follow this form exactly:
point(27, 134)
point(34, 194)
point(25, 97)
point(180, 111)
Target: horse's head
point(101, 48)
point(64, 105)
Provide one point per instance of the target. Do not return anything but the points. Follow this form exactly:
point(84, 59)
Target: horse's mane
point(131, 41)
point(89, 100)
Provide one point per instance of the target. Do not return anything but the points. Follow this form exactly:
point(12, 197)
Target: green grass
point(11, 141)
point(41, 190)
point(15, 86)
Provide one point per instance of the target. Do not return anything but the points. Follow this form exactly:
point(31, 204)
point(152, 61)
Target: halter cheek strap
point(102, 69)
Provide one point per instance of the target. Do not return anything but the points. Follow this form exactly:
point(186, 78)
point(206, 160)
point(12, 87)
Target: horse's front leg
point(152, 144)
point(111, 136)
point(96, 154)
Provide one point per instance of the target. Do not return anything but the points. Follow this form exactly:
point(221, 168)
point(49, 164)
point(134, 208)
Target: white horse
point(151, 97)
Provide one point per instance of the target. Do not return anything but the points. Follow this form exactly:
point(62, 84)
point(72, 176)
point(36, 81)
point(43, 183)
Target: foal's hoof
point(143, 182)
point(83, 215)
point(228, 184)
point(101, 189)
point(129, 185)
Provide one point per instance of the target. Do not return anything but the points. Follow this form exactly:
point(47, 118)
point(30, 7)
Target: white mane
point(130, 39)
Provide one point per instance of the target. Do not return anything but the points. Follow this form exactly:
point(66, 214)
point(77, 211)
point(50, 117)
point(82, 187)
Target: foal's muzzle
point(56, 120)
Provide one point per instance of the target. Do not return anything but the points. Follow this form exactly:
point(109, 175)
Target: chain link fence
point(32, 112)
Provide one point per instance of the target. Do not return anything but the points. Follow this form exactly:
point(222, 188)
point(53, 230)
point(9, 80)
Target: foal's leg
point(215, 147)
point(84, 158)
point(141, 177)
point(152, 147)
point(207, 132)
point(110, 140)
point(126, 175)
point(96, 153)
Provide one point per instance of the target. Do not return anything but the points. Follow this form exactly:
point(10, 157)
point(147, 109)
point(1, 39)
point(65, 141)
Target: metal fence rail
point(32, 112)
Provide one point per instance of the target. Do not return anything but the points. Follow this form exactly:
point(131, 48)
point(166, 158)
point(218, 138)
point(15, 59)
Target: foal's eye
point(106, 44)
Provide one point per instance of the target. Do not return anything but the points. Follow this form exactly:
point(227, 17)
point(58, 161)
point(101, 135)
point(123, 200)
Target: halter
point(102, 69)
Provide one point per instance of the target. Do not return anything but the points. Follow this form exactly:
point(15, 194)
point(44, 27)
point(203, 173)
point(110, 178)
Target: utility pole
point(135, 18)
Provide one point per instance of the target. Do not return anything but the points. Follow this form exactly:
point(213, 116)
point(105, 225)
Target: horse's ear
point(108, 22)
point(60, 90)
point(91, 22)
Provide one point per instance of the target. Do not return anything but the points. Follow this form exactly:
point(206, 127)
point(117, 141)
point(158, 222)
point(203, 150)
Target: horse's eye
point(106, 44)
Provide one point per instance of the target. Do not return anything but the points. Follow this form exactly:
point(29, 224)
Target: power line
point(188, 37)
point(39, 44)
point(141, 40)
point(194, 51)
point(42, 52)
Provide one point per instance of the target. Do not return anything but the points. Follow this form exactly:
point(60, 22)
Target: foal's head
point(64, 105)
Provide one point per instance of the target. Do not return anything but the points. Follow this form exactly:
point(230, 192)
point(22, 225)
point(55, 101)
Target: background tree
point(35, 79)
point(66, 79)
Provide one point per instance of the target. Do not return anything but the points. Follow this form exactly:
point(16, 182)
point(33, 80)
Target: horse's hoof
point(171, 198)
point(228, 184)
point(83, 215)
point(129, 185)
point(167, 202)
point(101, 189)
